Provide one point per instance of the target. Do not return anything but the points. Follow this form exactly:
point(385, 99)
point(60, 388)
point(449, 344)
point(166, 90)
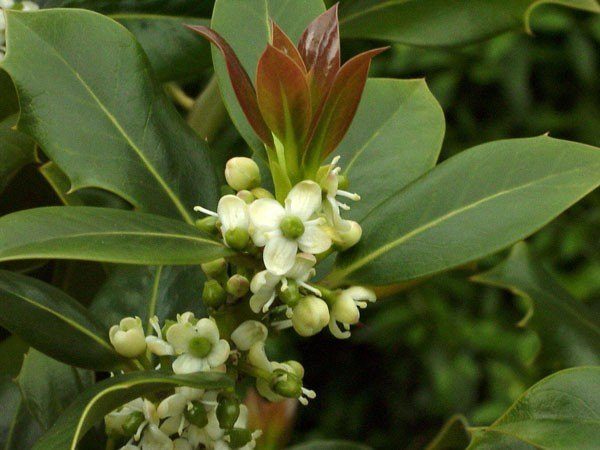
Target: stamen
point(351, 195)
point(269, 303)
point(303, 401)
point(284, 284)
point(181, 425)
point(282, 325)
point(289, 312)
point(343, 206)
point(154, 324)
point(205, 211)
point(309, 393)
point(361, 305)
point(138, 433)
point(335, 330)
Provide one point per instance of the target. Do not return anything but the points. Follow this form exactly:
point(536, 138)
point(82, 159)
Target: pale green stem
point(179, 96)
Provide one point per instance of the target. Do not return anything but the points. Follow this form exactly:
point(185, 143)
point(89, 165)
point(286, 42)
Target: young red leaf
point(282, 42)
point(242, 85)
point(283, 96)
point(319, 47)
point(340, 106)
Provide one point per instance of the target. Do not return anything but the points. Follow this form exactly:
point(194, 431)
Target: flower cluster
point(288, 239)
point(24, 5)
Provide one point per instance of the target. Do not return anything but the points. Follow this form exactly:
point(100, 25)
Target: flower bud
point(196, 414)
point(239, 437)
point(242, 173)
point(238, 286)
point(296, 367)
point(228, 411)
point(213, 294)
point(311, 315)
point(246, 196)
point(237, 238)
point(128, 337)
point(208, 224)
point(249, 333)
point(261, 193)
point(291, 295)
point(350, 237)
point(214, 269)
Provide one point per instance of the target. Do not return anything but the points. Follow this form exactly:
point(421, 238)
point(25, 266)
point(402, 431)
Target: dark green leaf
point(470, 206)
point(103, 234)
point(440, 22)
point(189, 8)
point(12, 352)
point(145, 291)
point(570, 332)
point(48, 386)
point(558, 413)
point(54, 323)
point(330, 445)
point(16, 150)
point(92, 405)
point(395, 138)
point(245, 26)
point(18, 429)
point(107, 124)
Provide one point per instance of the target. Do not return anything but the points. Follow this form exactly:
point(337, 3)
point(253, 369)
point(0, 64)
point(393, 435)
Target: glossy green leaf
point(107, 124)
point(245, 26)
point(103, 234)
point(146, 291)
point(16, 150)
point(54, 323)
point(569, 331)
point(189, 8)
point(470, 206)
point(12, 352)
point(48, 386)
point(441, 22)
point(92, 405)
point(560, 412)
point(9, 106)
point(395, 138)
point(452, 436)
point(330, 445)
point(18, 429)
point(174, 53)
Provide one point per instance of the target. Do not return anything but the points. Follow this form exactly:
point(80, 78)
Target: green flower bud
point(132, 423)
point(261, 193)
point(128, 337)
point(196, 414)
point(242, 173)
point(238, 286)
point(238, 437)
point(296, 367)
point(290, 296)
point(286, 384)
point(350, 237)
point(237, 238)
point(214, 269)
point(311, 315)
point(246, 196)
point(228, 411)
point(213, 294)
point(292, 227)
point(208, 224)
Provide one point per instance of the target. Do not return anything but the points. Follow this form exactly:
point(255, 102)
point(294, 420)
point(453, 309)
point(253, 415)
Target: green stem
point(111, 444)
point(180, 97)
point(208, 114)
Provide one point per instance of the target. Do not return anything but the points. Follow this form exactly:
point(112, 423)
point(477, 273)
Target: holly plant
point(145, 304)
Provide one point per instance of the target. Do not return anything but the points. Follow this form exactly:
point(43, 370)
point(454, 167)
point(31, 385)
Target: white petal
point(189, 364)
point(179, 335)
point(304, 200)
point(257, 301)
point(314, 240)
point(303, 264)
point(219, 353)
point(279, 255)
point(173, 405)
point(359, 293)
point(266, 214)
point(154, 439)
point(208, 329)
point(159, 347)
point(182, 444)
point(233, 213)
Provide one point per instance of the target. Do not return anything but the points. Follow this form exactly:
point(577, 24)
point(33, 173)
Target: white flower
point(149, 433)
point(249, 333)
point(345, 309)
point(198, 345)
point(264, 283)
point(310, 316)
point(115, 420)
point(258, 358)
point(282, 230)
point(232, 212)
point(128, 337)
point(156, 344)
